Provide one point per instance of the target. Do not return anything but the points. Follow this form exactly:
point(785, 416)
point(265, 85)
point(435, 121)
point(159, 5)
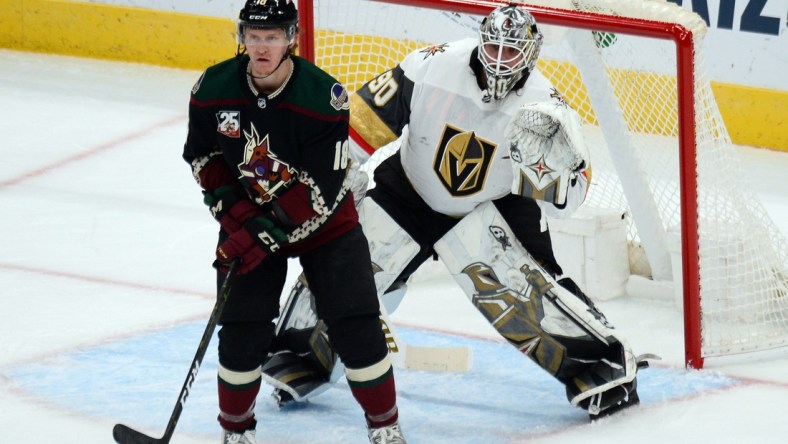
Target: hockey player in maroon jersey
point(487, 145)
point(268, 145)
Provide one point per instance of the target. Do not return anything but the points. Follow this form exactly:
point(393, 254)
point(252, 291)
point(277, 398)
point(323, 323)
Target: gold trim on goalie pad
point(320, 346)
point(517, 317)
point(529, 189)
point(391, 343)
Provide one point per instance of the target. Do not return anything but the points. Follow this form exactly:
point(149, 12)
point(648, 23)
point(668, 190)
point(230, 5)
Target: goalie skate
point(616, 398)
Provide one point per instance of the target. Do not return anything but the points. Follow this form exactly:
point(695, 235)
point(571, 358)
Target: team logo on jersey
point(462, 161)
point(434, 49)
point(229, 123)
point(339, 97)
point(267, 175)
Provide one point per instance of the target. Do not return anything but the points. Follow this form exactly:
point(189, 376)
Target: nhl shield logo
point(462, 161)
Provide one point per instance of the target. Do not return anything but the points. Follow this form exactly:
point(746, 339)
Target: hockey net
point(659, 148)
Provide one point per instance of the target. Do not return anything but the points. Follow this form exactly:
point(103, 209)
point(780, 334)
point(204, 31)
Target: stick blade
point(126, 435)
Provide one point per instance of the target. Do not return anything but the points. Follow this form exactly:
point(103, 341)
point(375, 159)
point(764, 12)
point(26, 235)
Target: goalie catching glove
point(548, 151)
point(258, 238)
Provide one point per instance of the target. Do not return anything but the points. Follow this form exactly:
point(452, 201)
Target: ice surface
point(106, 282)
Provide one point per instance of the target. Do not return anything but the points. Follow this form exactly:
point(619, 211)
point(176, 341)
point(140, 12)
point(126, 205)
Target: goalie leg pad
point(525, 304)
point(390, 247)
point(302, 363)
point(293, 377)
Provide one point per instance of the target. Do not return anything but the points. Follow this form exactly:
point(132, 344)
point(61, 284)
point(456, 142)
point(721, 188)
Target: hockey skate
point(617, 398)
point(232, 437)
point(612, 401)
point(390, 434)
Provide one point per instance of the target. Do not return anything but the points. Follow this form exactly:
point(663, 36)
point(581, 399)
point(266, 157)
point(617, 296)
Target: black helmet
point(258, 14)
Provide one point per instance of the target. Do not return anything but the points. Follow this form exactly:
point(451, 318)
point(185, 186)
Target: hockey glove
point(230, 206)
point(547, 151)
point(252, 243)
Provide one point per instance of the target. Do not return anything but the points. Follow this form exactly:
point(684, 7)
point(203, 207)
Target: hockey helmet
point(267, 14)
point(509, 45)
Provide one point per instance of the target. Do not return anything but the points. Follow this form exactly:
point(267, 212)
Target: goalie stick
point(391, 249)
point(426, 358)
point(126, 435)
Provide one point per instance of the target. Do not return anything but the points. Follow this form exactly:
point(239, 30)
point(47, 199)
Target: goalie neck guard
point(509, 45)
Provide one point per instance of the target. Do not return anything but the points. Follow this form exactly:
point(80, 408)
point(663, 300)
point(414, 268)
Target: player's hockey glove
point(258, 238)
point(230, 206)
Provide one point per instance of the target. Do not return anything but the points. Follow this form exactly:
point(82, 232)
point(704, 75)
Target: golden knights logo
point(263, 172)
point(462, 161)
point(432, 50)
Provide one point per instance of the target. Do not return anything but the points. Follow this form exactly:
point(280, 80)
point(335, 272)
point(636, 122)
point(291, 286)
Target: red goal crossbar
point(683, 39)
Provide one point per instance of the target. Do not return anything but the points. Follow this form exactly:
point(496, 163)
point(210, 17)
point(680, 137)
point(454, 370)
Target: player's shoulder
point(318, 91)
point(219, 80)
point(538, 88)
point(447, 57)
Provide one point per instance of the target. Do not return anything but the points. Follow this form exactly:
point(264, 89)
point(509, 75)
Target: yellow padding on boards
point(116, 32)
point(754, 116)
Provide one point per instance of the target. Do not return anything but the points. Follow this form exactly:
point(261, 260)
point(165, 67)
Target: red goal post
point(683, 97)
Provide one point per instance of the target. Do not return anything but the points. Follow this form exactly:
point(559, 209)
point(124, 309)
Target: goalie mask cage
point(660, 153)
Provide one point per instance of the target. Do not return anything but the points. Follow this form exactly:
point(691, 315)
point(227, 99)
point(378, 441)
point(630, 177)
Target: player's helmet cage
point(267, 14)
point(509, 44)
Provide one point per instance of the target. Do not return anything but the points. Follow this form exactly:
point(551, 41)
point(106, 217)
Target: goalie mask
point(268, 14)
point(509, 45)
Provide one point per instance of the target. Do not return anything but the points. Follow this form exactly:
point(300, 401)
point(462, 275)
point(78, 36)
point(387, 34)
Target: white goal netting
point(626, 89)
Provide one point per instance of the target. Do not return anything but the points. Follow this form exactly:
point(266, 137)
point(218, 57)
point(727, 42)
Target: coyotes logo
point(263, 171)
point(462, 161)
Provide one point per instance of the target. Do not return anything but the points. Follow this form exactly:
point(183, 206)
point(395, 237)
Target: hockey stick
point(425, 358)
point(126, 435)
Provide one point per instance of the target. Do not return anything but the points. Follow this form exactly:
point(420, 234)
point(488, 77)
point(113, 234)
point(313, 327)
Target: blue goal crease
point(503, 397)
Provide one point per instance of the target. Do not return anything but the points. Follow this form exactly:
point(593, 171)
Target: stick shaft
point(127, 435)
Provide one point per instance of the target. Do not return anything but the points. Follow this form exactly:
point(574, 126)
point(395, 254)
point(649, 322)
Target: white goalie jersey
point(458, 150)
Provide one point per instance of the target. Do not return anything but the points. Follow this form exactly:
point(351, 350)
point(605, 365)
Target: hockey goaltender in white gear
point(490, 146)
